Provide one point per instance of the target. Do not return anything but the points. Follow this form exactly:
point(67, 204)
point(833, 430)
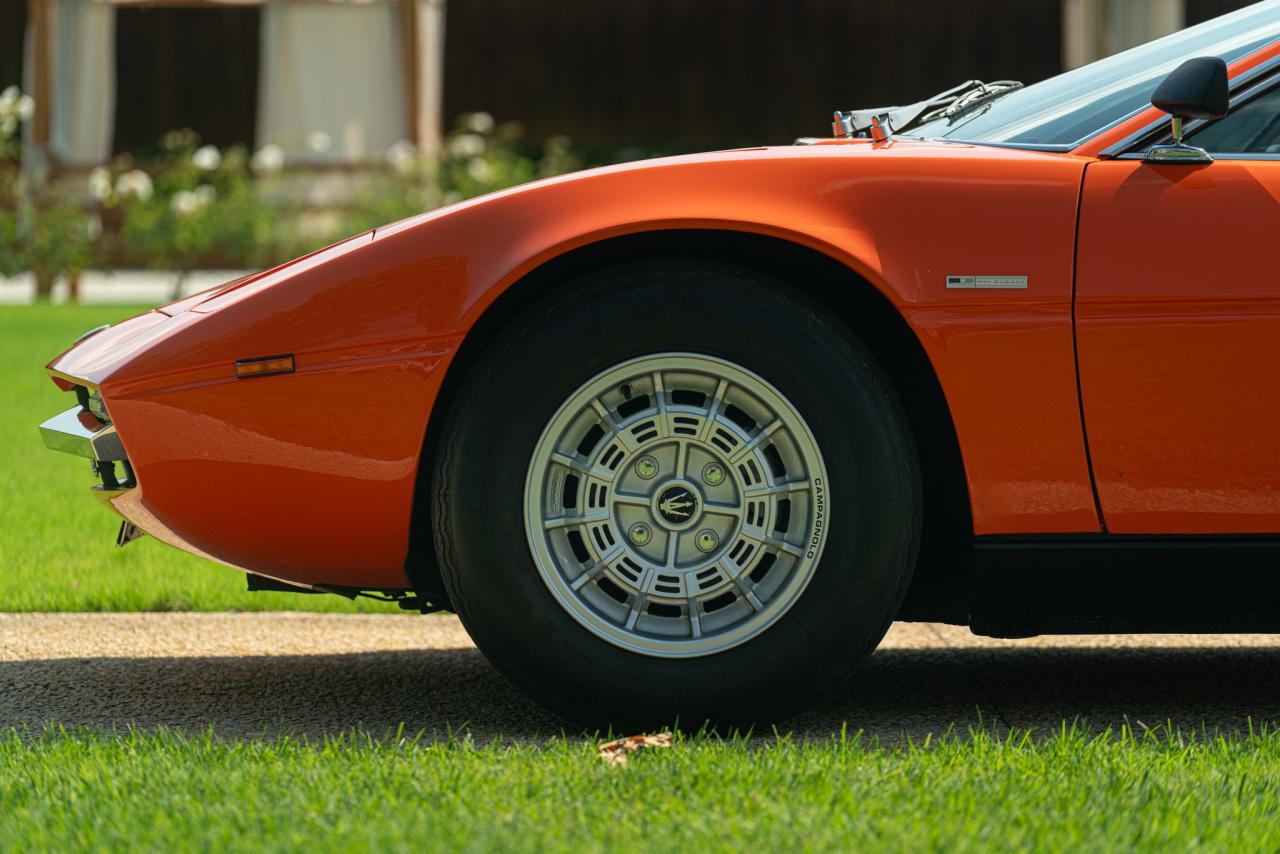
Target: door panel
point(1178, 337)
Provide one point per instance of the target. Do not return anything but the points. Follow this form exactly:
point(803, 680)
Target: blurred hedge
point(194, 206)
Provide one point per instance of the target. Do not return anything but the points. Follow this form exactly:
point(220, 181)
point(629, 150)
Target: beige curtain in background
point(1092, 29)
point(332, 80)
point(83, 81)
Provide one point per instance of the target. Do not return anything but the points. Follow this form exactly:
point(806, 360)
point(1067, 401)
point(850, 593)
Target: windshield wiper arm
point(975, 97)
point(950, 103)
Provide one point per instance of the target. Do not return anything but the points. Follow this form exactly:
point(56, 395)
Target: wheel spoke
point(664, 427)
point(769, 540)
point(592, 572)
point(613, 425)
point(734, 573)
point(642, 596)
point(634, 613)
point(631, 498)
point(756, 441)
point(717, 400)
point(573, 519)
point(576, 464)
point(750, 595)
point(719, 509)
point(777, 489)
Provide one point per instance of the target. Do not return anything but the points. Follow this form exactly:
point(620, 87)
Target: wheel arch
point(941, 587)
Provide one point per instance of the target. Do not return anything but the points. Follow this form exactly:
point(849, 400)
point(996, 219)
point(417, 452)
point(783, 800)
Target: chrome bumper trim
point(77, 432)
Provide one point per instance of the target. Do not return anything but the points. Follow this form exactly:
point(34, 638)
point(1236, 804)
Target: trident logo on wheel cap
point(677, 504)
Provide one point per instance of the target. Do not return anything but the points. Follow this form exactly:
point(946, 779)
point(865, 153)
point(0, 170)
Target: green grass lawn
point(1071, 791)
point(170, 790)
point(57, 543)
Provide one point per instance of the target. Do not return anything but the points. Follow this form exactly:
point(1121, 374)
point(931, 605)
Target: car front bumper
point(81, 433)
point(87, 431)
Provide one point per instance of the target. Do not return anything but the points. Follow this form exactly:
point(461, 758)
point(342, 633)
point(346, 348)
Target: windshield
point(1071, 107)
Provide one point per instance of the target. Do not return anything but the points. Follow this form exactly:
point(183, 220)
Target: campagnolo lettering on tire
point(676, 505)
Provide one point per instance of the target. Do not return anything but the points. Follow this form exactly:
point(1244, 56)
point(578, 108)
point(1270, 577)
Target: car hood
point(289, 268)
point(824, 147)
point(860, 149)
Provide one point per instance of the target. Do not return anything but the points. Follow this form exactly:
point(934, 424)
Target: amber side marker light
point(266, 366)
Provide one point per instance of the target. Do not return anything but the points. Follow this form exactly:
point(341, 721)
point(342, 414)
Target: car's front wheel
point(676, 492)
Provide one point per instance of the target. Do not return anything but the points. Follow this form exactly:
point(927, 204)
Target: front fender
point(903, 216)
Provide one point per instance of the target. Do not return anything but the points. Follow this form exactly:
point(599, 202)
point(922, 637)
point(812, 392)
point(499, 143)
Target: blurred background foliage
point(188, 205)
point(297, 105)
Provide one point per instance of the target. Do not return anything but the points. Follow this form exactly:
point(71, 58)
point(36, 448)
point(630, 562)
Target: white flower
point(188, 202)
point(466, 145)
point(268, 160)
point(480, 123)
point(402, 156)
point(318, 141)
point(207, 158)
point(100, 183)
point(479, 168)
point(14, 108)
point(184, 203)
point(134, 183)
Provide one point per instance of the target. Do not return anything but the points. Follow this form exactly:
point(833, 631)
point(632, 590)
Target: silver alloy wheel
point(676, 505)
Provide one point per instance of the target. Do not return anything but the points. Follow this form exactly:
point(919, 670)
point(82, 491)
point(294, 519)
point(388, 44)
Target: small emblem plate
point(676, 504)
point(981, 282)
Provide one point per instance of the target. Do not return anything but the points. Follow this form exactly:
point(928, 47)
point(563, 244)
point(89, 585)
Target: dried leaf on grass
point(615, 752)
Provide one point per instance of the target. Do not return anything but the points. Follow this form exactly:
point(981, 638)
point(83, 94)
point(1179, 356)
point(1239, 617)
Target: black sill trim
point(1086, 583)
point(1125, 541)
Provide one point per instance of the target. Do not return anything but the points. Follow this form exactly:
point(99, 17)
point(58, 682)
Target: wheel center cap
point(677, 505)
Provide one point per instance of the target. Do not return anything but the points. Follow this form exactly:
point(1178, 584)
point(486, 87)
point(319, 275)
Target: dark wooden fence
point(655, 74)
point(696, 73)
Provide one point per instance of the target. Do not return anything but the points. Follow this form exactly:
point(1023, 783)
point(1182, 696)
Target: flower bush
point(39, 232)
point(194, 205)
point(479, 156)
point(191, 206)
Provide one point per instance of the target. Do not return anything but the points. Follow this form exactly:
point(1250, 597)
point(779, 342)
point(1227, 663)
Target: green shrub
point(39, 232)
point(197, 206)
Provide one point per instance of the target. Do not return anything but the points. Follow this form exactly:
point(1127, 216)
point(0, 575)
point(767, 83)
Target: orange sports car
point(680, 438)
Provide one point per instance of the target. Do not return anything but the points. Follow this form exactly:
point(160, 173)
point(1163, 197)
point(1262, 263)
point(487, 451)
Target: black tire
point(718, 310)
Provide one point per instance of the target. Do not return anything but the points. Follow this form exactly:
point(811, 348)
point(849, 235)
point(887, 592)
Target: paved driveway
point(249, 674)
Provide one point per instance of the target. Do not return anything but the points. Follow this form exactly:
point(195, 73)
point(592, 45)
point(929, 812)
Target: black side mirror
point(1196, 89)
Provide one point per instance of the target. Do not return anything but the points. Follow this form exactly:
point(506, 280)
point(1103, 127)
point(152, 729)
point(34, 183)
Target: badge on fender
point(997, 282)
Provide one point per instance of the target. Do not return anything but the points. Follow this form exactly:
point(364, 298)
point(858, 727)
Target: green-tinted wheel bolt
point(640, 534)
point(713, 474)
point(706, 541)
point(646, 467)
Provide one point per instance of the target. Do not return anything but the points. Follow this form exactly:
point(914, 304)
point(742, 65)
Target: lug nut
point(713, 474)
point(706, 541)
point(640, 534)
point(646, 467)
